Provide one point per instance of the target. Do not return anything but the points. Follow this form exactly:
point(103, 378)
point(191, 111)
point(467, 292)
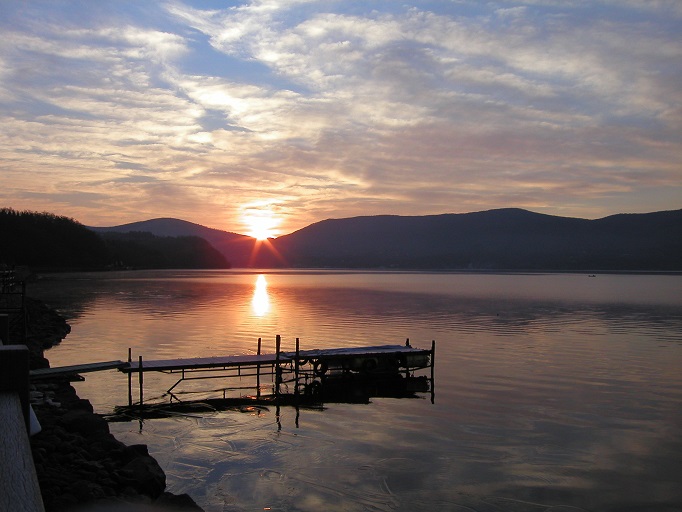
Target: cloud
point(340, 109)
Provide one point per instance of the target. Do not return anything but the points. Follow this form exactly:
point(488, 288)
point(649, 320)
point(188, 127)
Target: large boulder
point(144, 475)
point(83, 422)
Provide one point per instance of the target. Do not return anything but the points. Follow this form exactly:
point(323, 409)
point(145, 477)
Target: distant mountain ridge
point(235, 247)
point(503, 239)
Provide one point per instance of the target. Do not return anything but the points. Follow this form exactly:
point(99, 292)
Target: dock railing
point(19, 489)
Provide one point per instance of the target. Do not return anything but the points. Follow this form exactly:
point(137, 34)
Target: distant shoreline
point(341, 270)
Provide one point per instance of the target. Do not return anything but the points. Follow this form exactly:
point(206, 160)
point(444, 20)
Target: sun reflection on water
point(261, 300)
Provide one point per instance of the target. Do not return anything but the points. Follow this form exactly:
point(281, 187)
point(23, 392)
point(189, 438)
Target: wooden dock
point(284, 376)
point(300, 372)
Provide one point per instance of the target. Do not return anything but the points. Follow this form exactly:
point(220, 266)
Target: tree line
point(47, 241)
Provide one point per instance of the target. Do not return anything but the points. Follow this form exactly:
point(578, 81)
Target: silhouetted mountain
point(512, 239)
point(495, 239)
point(234, 247)
point(144, 250)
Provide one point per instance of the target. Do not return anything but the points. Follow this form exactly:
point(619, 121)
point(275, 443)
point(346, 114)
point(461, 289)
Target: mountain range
point(503, 239)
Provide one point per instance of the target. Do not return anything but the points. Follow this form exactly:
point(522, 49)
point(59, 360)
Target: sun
point(261, 225)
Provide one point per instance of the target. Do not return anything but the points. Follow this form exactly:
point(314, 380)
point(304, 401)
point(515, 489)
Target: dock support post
point(258, 372)
point(407, 359)
point(130, 378)
point(296, 368)
point(278, 370)
point(141, 380)
point(433, 365)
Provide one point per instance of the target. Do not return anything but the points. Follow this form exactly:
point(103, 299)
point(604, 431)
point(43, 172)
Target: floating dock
point(299, 373)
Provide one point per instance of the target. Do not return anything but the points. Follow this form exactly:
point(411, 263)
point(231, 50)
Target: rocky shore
point(79, 463)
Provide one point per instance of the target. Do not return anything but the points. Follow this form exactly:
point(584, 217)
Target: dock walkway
point(72, 371)
point(162, 365)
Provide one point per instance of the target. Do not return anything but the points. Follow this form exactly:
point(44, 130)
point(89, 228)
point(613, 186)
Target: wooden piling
point(278, 376)
point(433, 365)
point(407, 366)
point(296, 367)
point(130, 379)
point(141, 380)
point(258, 372)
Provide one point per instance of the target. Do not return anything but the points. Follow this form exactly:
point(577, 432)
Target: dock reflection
point(346, 389)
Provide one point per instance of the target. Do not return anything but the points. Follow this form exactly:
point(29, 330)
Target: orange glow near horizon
point(264, 245)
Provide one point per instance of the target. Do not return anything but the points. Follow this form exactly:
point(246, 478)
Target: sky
point(281, 113)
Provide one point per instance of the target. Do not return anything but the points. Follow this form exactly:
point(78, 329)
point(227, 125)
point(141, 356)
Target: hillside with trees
point(51, 242)
point(145, 251)
point(45, 240)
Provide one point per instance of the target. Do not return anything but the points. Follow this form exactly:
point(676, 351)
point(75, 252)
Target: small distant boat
point(592, 275)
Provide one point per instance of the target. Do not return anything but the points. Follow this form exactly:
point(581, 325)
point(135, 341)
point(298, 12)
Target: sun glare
point(261, 300)
point(261, 225)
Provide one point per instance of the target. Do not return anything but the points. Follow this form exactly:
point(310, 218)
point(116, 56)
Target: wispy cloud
point(115, 113)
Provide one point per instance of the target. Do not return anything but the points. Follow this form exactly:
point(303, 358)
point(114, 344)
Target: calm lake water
point(553, 392)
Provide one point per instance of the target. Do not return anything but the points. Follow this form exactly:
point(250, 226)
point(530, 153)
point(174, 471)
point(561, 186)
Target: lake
point(553, 392)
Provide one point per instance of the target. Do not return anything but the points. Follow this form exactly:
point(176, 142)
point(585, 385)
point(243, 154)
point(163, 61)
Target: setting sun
point(261, 225)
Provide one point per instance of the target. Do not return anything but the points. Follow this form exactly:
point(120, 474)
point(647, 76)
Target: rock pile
point(44, 328)
point(78, 461)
